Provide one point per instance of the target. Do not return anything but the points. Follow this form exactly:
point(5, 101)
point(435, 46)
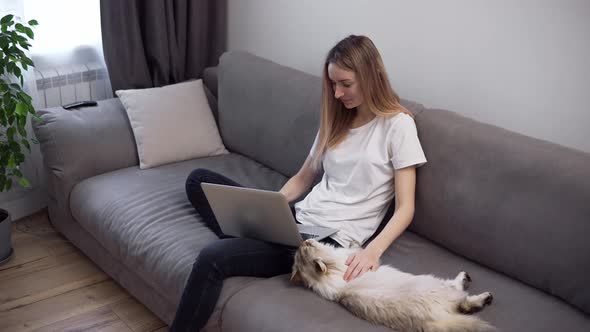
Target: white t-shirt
point(358, 182)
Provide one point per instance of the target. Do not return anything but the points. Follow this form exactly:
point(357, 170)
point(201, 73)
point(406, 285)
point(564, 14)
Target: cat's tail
point(459, 323)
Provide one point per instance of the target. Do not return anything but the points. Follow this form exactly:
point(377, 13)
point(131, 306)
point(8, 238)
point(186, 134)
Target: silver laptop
point(259, 214)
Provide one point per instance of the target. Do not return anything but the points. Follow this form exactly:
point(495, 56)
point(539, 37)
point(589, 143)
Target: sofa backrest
point(516, 204)
point(267, 112)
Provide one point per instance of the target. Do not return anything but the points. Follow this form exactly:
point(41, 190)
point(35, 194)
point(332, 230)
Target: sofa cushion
point(267, 112)
point(513, 203)
point(144, 219)
point(516, 306)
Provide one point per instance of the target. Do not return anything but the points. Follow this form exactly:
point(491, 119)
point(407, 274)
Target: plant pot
point(5, 236)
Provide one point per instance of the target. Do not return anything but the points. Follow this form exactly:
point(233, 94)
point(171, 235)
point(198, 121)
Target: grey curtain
point(150, 43)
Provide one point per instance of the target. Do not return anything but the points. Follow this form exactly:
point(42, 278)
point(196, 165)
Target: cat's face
point(312, 263)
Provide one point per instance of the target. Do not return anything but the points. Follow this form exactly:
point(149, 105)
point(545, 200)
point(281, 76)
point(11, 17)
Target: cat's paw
point(463, 279)
point(466, 276)
point(488, 298)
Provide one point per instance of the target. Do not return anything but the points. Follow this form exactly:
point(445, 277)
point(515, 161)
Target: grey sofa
point(511, 210)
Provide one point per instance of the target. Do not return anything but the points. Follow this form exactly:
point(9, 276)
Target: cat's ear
point(320, 266)
point(296, 277)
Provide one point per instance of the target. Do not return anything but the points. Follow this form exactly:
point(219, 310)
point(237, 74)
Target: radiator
point(62, 85)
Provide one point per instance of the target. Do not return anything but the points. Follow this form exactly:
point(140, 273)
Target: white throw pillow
point(171, 123)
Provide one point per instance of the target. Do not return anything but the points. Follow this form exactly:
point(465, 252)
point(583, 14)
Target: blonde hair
point(359, 55)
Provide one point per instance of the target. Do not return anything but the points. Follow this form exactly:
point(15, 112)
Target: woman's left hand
point(360, 262)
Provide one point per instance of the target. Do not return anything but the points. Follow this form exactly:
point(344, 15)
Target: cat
point(387, 296)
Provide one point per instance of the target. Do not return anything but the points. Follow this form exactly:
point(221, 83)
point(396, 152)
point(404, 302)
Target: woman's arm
point(300, 182)
point(368, 258)
point(405, 189)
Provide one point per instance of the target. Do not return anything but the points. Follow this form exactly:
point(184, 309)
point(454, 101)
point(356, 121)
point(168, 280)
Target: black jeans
point(222, 259)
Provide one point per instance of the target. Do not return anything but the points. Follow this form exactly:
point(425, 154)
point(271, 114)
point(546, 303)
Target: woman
point(365, 141)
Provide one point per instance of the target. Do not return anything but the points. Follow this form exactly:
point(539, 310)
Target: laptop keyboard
point(307, 236)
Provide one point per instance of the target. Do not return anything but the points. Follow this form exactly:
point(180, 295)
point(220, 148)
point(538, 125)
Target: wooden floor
point(49, 285)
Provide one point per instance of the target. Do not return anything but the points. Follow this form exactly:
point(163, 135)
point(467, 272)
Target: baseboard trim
point(26, 205)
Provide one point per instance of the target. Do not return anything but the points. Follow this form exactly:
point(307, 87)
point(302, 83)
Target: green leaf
point(28, 61)
point(17, 172)
point(8, 185)
point(33, 22)
point(24, 182)
point(6, 19)
point(26, 144)
point(20, 157)
point(10, 66)
point(13, 145)
point(10, 133)
point(25, 45)
point(20, 39)
point(34, 140)
point(29, 33)
point(11, 162)
point(21, 109)
point(21, 128)
point(24, 97)
point(38, 118)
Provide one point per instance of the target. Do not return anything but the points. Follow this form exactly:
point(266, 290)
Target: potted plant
point(15, 107)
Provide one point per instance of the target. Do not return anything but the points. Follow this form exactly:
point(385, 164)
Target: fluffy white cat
point(387, 296)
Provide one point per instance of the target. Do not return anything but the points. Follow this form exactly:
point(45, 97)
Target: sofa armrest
point(210, 87)
point(79, 144)
point(210, 79)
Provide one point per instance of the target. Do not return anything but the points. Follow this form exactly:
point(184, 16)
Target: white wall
point(523, 65)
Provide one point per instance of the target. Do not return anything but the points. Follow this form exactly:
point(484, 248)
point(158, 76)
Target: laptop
point(259, 214)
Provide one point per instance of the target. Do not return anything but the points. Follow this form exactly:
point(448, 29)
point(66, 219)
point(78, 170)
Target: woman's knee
point(194, 180)
point(198, 175)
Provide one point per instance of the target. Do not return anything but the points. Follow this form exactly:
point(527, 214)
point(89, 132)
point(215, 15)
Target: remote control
point(80, 104)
